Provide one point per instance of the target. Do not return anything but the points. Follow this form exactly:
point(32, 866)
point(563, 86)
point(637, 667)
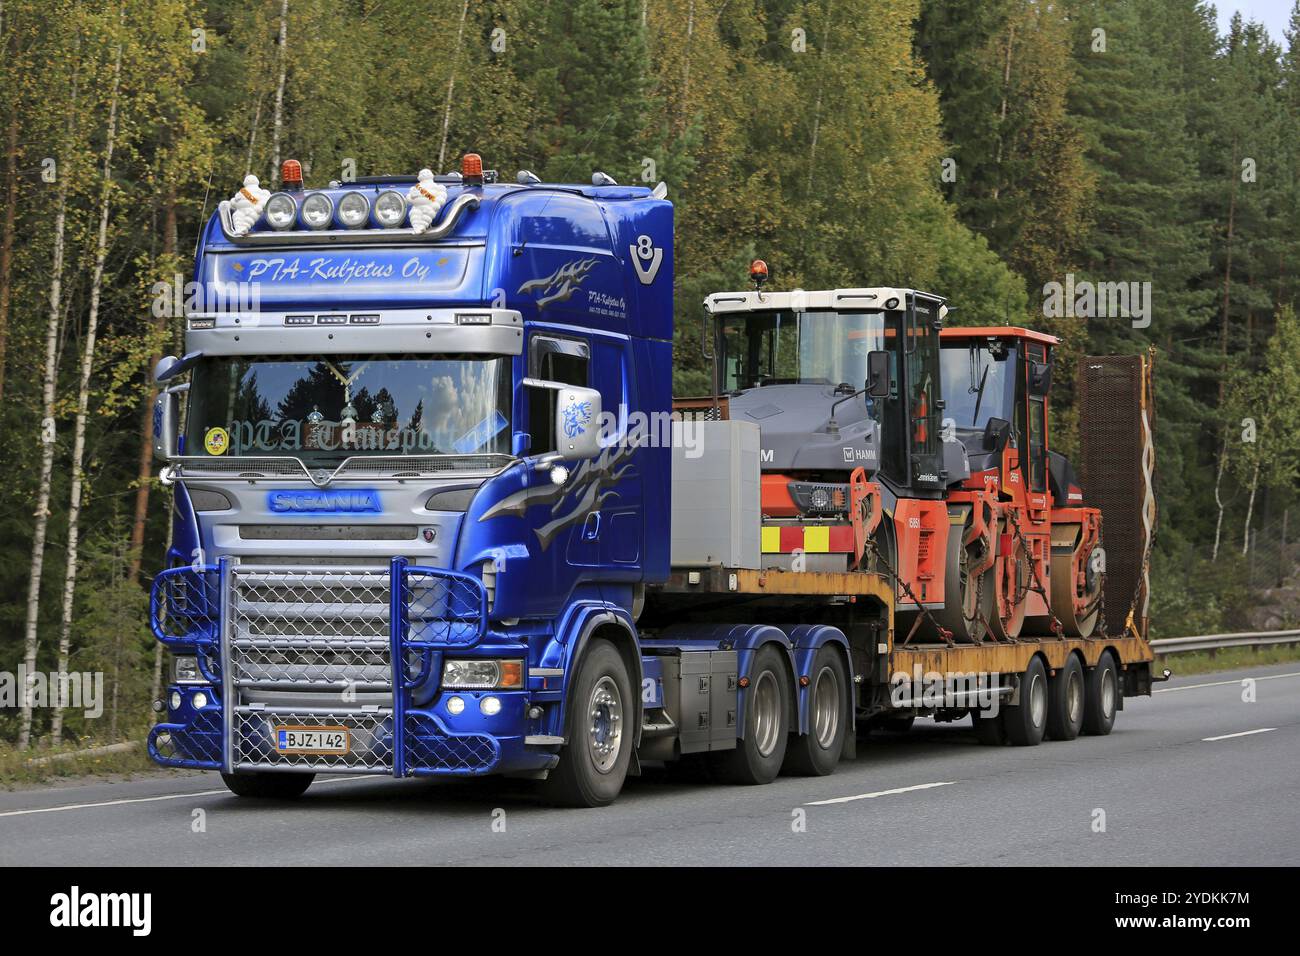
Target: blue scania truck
point(435, 513)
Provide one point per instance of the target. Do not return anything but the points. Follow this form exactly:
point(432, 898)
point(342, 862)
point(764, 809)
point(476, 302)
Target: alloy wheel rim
point(605, 724)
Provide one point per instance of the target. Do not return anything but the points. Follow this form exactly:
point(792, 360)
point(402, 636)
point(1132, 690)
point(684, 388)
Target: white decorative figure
point(246, 205)
point(426, 199)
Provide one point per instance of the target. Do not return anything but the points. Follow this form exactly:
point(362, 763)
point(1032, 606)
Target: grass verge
point(1228, 659)
point(20, 769)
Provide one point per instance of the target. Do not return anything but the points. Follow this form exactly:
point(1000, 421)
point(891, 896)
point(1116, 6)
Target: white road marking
point(165, 796)
point(879, 793)
point(1223, 683)
point(1244, 733)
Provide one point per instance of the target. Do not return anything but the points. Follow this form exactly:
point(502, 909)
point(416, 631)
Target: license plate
point(311, 740)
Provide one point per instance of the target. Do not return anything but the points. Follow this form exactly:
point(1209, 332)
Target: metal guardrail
point(1215, 642)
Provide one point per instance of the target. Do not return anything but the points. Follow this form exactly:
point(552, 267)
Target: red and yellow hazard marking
point(811, 539)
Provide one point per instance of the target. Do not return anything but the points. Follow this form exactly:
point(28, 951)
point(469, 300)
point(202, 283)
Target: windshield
point(788, 347)
point(974, 384)
point(334, 407)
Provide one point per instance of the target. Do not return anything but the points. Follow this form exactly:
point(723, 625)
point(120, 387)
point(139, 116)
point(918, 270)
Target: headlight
point(390, 208)
point(817, 498)
point(354, 210)
point(185, 669)
point(483, 674)
point(281, 211)
point(317, 211)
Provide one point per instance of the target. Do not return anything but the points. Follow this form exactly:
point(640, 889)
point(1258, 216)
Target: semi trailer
point(437, 513)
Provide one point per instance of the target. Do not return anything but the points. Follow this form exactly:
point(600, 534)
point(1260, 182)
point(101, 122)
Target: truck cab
point(415, 473)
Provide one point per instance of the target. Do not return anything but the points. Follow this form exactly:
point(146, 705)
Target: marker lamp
point(185, 669)
point(317, 211)
point(281, 211)
point(354, 210)
point(483, 674)
point(390, 208)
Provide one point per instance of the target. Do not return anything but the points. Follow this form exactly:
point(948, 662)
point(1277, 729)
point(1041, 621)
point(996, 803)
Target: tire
point(1026, 722)
point(268, 786)
point(988, 730)
point(593, 764)
point(1102, 696)
point(761, 750)
point(1066, 701)
point(816, 753)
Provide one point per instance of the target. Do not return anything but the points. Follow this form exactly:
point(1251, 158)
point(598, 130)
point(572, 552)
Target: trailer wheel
point(1026, 722)
point(816, 753)
point(268, 786)
point(1067, 698)
point(1102, 696)
point(761, 749)
point(593, 764)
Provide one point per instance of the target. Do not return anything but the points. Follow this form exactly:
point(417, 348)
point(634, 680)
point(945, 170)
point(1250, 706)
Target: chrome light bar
point(450, 217)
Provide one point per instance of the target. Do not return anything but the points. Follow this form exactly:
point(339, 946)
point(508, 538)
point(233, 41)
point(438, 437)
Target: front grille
point(327, 532)
point(309, 629)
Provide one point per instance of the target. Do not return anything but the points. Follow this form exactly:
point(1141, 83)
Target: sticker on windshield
point(480, 434)
point(216, 441)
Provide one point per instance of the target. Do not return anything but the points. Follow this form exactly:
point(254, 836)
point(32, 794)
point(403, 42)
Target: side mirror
point(577, 417)
point(996, 433)
point(165, 368)
point(1040, 378)
point(877, 374)
point(166, 424)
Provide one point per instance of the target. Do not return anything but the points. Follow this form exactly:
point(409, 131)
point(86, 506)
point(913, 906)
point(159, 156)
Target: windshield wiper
point(979, 396)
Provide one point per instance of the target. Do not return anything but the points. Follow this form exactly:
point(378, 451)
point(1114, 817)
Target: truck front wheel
point(268, 786)
point(760, 751)
point(598, 727)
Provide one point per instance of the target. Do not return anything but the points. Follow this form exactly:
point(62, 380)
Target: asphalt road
point(934, 796)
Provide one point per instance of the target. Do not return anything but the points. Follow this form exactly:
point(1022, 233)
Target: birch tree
point(87, 367)
point(49, 384)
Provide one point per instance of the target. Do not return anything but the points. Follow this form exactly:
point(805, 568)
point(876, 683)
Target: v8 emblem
point(647, 257)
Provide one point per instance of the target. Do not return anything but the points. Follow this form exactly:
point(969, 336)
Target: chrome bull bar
point(332, 647)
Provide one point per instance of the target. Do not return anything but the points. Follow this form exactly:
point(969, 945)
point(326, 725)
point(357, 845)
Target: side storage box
point(716, 517)
point(707, 699)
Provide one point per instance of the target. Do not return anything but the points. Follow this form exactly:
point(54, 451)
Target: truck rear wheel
point(1102, 696)
point(1026, 722)
point(268, 786)
point(761, 749)
point(1066, 701)
point(816, 753)
point(593, 764)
